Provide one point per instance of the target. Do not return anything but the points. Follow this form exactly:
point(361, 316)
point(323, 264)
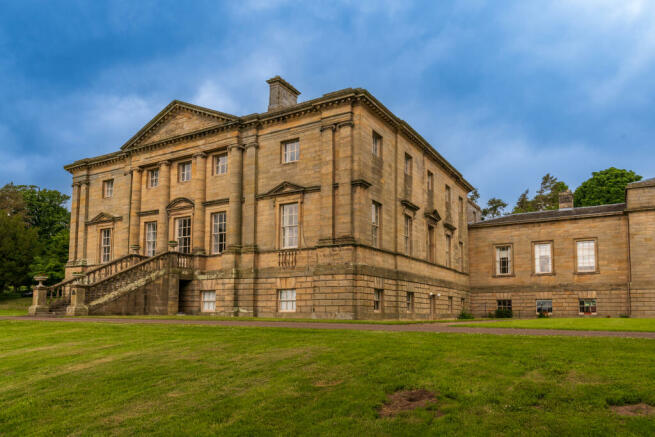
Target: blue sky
point(506, 91)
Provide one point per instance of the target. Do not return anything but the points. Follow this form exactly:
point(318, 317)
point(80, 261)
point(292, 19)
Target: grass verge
point(577, 324)
point(13, 304)
point(133, 379)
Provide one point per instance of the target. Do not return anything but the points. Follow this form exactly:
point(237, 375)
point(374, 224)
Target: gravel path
point(424, 327)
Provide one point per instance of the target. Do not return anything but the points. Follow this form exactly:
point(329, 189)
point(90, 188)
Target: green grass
point(14, 305)
point(271, 319)
point(132, 379)
point(581, 324)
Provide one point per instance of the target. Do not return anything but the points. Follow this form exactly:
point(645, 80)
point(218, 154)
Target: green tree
point(45, 211)
point(547, 196)
point(11, 199)
point(495, 208)
point(18, 245)
point(474, 195)
point(604, 187)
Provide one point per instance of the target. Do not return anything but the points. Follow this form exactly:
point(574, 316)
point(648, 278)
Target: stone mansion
point(329, 208)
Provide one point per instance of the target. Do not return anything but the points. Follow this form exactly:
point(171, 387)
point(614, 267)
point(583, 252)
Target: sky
point(505, 90)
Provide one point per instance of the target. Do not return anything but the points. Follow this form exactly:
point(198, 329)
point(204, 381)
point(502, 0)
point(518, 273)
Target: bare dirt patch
point(634, 410)
point(406, 400)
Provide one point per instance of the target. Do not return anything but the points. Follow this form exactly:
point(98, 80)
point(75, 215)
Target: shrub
point(465, 316)
point(624, 316)
point(503, 314)
point(542, 315)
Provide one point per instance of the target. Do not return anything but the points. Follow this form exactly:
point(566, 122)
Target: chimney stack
point(282, 94)
point(565, 199)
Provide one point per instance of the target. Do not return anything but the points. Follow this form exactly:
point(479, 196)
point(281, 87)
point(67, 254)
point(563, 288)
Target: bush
point(503, 314)
point(542, 315)
point(624, 316)
point(465, 316)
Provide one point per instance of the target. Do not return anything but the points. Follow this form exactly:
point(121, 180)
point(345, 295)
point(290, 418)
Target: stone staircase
point(105, 284)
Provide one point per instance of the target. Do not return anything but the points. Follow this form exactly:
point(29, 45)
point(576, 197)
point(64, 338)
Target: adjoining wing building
point(329, 208)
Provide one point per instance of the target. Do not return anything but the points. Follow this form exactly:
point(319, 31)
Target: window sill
point(290, 162)
point(512, 275)
point(544, 274)
point(286, 311)
point(587, 273)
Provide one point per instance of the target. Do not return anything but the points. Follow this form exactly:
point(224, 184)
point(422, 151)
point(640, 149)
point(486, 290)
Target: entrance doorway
point(185, 298)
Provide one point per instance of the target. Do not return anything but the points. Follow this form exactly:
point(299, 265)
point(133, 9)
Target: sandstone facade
point(329, 208)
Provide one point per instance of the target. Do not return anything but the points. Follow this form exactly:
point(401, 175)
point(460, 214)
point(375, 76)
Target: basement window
point(410, 301)
point(287, 301)
point(544, 306)
point(587, 306)
point(208, 301)
point(377, 300)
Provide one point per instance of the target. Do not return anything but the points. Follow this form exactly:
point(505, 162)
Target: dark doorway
point(185, 298)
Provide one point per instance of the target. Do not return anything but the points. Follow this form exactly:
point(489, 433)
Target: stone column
point(249, 192)
point(134, 240)
point(199, 185)
point(164, 199)
point(82, 218)
point(75, 210)
point(236, 195)
point(78, 306)
point(326, 236)
point(343, 175)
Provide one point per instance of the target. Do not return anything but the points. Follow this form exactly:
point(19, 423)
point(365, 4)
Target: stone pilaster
point(199, 186)
point(234, 224)
point(82, 218)
point(165, 198)
point(135, 207)
point(327, 185)
point(249, 193)
point(344, 232)
point(74, 227)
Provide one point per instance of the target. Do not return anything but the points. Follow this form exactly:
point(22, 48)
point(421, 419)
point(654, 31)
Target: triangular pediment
point(433, 215)
point(180, 203)
point(177, 119)
point(103, 217)
point(288, 188)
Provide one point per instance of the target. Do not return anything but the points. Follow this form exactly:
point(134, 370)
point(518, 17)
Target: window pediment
point(104, 217)
point(180, 203)
point(287, 188)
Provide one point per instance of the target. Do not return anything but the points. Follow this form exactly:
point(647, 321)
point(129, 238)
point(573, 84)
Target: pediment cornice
point(180, 203)
point(287, 188)
point(104, 217)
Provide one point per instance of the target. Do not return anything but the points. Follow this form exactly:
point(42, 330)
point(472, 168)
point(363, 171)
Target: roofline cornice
point(491, 223)
point(347, 95)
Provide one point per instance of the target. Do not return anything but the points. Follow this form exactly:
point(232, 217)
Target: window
point(430, 181)
point(586, 255)
point(289, 215)
point(543, 258)
point(433, 304)
point(431, 247)
point(219, 232)
point(448, 200)
point(183, 233)
point(377, 144)
point(220, 164)
point(153, 178)
point(463, 301)
point(108, 188)
point(287, 301)
point(587, 306)
point(460, 210)
point(151, 238)
point(375, 224)
point(504, 304)
point(105, 245)
point(410, 301)
point(407, 235)
point(377, 300)
point(450, 304)
point(208, 301)
point(544, 306)
point(184, 171)
point(503, 260)
point(291, 151)
point(448, 249)
point(408, 164)
point(461, 256)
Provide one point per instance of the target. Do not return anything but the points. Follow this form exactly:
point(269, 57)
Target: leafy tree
point(18, 244)
point(11, 199)
point(495, 208)
point(604, 187)
point(547, 196)
point(52, 258)
point(474, 195)
point(45, 211)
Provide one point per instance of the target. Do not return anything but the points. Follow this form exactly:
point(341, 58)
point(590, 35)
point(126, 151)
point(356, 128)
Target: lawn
point(13, 304)
point(101, 378)
point(582, 324)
